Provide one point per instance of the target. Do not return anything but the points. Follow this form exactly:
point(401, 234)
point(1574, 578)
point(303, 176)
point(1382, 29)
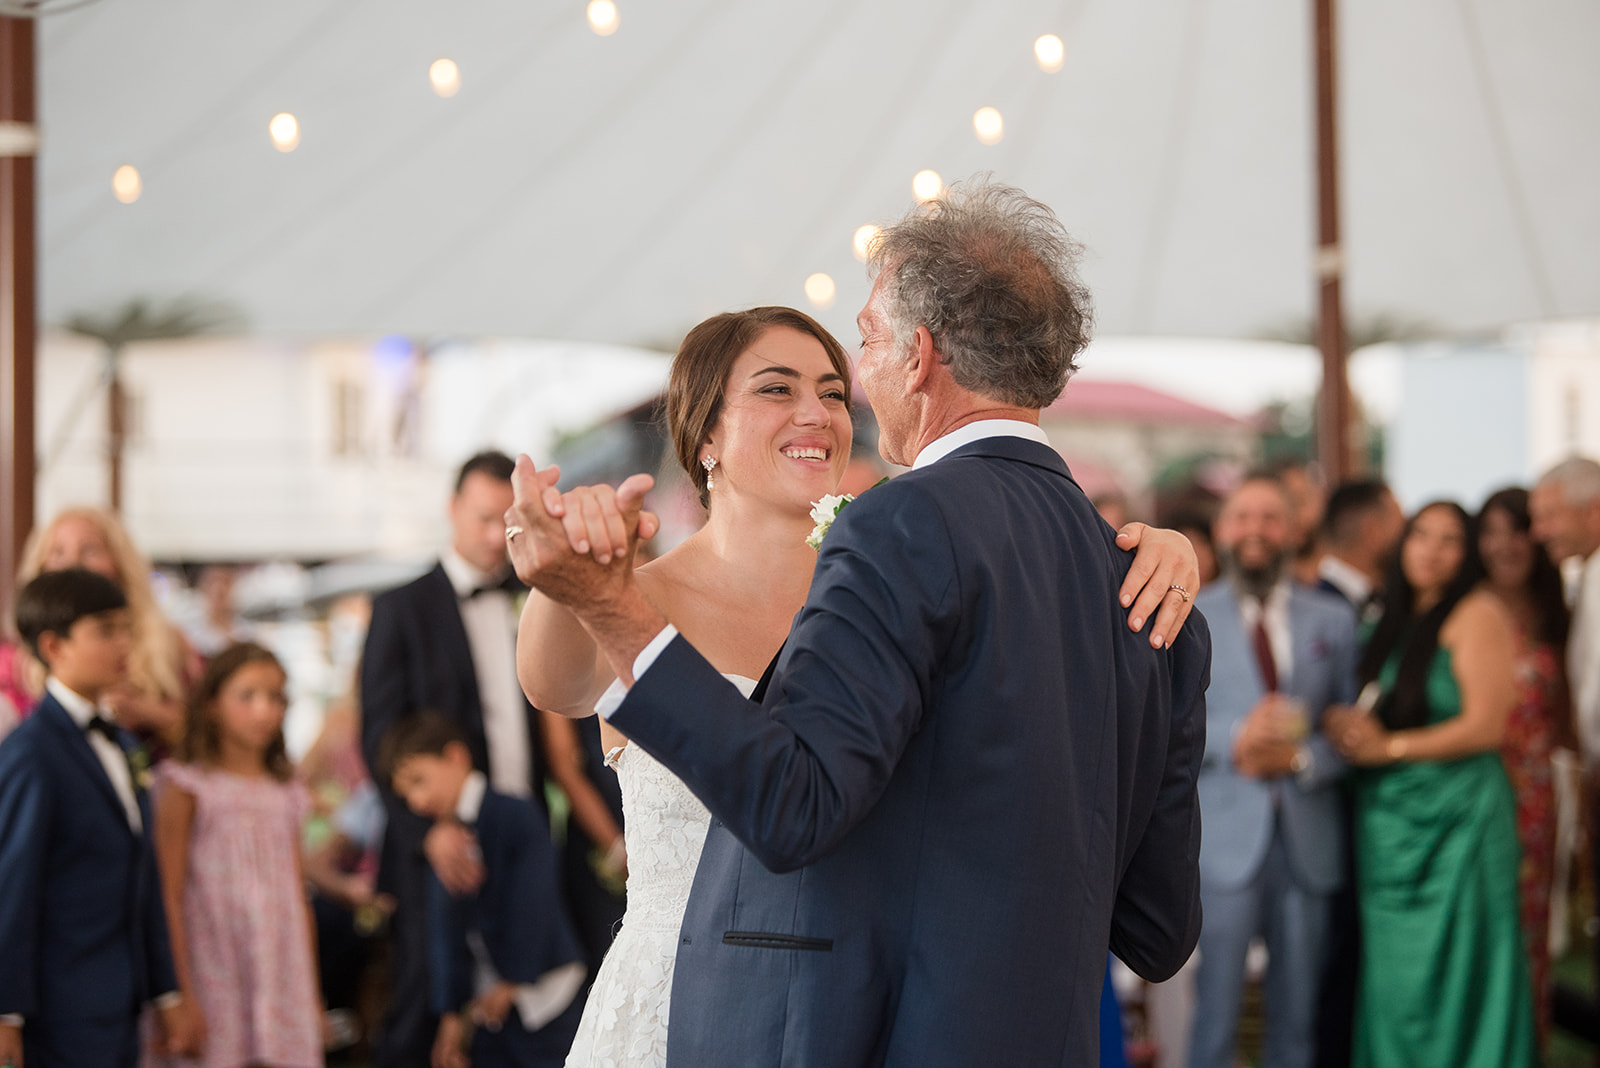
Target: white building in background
point(250, 449)
point(1476, 416)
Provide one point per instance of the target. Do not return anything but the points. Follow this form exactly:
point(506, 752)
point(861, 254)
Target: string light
point(603, 17)
point(927, 185)
point(988, 125)
point(820, 290)
point(445, 76)
point(1050, 53)
point(126, 184)
point(285, 131)
point(865, 236)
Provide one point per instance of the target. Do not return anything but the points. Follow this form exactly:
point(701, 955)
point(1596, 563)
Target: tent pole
point(19, 140)
point(1333, 434)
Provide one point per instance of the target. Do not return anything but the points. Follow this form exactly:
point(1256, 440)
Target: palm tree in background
point(139, 319)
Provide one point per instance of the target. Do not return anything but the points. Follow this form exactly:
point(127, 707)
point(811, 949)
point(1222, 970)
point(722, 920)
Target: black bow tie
point(100, 725)
point(492, 587)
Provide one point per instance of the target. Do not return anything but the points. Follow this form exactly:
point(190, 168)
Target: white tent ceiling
point(713, 154)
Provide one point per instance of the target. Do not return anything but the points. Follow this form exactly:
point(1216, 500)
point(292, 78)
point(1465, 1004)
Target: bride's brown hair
point(699, 378)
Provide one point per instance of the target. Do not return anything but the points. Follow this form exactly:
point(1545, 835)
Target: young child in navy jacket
point(83, 941)
point(507, 956)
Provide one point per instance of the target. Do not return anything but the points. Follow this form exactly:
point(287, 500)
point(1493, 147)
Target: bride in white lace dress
point(757, 409)
point(763, 396)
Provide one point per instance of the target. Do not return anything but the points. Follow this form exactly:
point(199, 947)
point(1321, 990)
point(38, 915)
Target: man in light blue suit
point(1270, 858)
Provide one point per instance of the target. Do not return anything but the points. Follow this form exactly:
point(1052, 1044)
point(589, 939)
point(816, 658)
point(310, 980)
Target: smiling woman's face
point(784, 432)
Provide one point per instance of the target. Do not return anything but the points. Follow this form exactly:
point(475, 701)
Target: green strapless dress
point(1444, 979)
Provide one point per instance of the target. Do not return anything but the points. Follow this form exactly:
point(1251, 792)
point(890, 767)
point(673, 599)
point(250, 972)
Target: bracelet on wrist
point(1397, 747)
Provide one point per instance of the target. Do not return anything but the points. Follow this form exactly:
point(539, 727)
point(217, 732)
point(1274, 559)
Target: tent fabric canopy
point(712, 154)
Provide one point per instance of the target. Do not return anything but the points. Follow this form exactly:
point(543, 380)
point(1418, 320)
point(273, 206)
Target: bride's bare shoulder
point(672, 574)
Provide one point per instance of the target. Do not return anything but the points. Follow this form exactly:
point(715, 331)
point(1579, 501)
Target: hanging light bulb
point(445, 77)
point(603, 17)
point(988, 125)
point(1050, 53)
point(820, 290)
point(862, 242)
point(285, 131)
point(126, 184)
point(927, 185)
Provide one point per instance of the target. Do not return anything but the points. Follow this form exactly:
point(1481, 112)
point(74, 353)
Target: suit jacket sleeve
point(162, 978)
point(1155, 922)
point(449, 959)
point(792, 778)
point(27, 804)
point(384, 693)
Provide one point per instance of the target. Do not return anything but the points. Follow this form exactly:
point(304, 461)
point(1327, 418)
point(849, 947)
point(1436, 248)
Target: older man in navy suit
point(1273, 855)
point(967, 777)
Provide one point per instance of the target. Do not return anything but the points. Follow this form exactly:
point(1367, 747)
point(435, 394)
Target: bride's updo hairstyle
point(699, 378)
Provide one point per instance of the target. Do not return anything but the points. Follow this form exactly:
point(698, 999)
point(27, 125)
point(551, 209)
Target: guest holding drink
point(1519, 572)
point(1444, 980)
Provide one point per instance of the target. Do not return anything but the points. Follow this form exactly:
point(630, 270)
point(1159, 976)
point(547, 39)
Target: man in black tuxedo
point(447, 643)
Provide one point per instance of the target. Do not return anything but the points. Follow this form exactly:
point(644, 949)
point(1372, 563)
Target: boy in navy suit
point(507, 952)
point(82, 934)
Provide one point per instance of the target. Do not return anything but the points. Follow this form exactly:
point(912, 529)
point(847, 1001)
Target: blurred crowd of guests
point(1380, 787)
point(1389, 697)
point(441, 646)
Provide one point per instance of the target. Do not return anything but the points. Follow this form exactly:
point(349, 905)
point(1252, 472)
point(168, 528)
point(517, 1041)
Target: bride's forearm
point(557, 662)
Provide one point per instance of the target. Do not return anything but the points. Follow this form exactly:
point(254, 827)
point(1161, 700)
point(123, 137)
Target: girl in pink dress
point(227, 836)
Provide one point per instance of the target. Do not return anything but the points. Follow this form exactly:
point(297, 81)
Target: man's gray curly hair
point(992, 274)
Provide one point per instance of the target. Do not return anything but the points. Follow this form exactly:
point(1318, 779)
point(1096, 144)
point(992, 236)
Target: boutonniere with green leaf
point(139, 766)
point(825, 511)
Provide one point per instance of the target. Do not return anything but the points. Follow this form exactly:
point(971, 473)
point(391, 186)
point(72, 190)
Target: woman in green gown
point(1444, 980)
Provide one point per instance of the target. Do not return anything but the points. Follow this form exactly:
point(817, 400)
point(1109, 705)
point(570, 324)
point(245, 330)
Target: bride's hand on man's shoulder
point(1162, 581)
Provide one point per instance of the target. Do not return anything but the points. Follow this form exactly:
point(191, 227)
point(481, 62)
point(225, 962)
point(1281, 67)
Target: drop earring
point(709, 463)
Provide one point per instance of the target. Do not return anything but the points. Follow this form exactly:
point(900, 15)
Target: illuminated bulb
point(988, 125)
point(1050, 53)
point(819, 290)
point(285, 131)
point(927, 185)
point(865, 236)
point(445, 76)
point(126, 184)
point(603, 17)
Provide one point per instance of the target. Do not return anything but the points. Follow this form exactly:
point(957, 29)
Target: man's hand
point(489, 1011)
point(10, 1046)
point(447, 1042)
point(1266, 744)
point(181, 1029)
point(452, 851)
point(1165, 559)
point(576, 548)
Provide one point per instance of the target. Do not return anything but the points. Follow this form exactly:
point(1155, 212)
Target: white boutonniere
point(824, 512)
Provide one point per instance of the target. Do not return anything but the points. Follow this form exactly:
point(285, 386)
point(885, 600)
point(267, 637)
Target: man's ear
point(50, 644)
point(920, 361)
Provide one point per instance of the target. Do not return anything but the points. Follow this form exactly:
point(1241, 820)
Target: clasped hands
point(1269, 736)
point(578, 546)
point(1358, 735)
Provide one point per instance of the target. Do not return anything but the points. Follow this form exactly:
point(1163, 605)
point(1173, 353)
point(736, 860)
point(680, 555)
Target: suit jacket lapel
point(77, 747)
point(1228, 634)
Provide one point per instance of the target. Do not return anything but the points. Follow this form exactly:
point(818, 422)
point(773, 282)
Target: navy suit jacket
point(518, 911)
point(966, 778)
point(1239, 811)
point(83, 938)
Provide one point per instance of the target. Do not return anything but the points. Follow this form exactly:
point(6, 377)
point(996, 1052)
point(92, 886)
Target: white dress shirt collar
point(464, 578)
point(470, 803)
point(79, 707)
point(1354, 584)
point(939, 448)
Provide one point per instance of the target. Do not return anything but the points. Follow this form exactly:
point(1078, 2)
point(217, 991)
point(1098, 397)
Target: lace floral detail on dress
point(664, 825)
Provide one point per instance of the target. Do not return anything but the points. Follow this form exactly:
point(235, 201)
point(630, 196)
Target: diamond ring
point(512, 532)
point(1181, 592)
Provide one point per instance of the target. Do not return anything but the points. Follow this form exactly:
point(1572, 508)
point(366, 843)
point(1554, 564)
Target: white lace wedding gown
point(664, 825)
